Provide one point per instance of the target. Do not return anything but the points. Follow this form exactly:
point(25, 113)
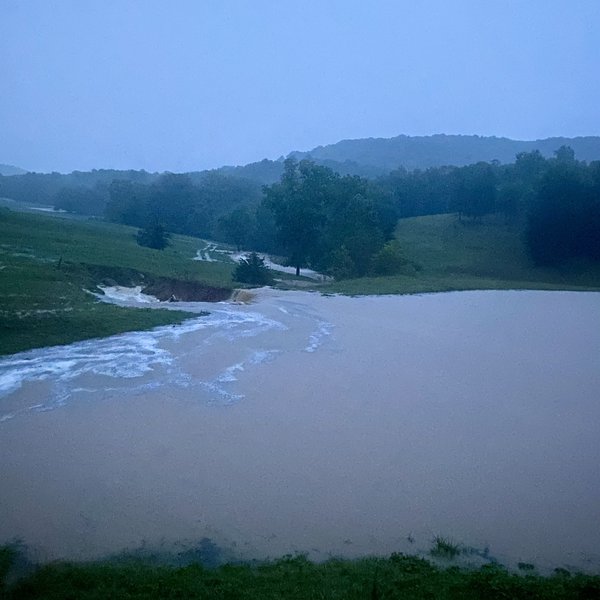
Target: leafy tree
point(297, 206)
point(128, 203)
point(173, 200)
point(154, 236)
point(332, 223)
point(565, 155)
point(191, 204)
point(389, 260)
point(475, 194)
point(508, 201)
point(564, 223)
point(264, 232)
point(237, 227)
point(342, 265)
point(81, 200)
point(253, 270)
point(529, 166)
point(352, 223)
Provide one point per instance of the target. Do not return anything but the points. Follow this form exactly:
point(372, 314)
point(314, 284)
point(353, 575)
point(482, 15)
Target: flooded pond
point(327, 425)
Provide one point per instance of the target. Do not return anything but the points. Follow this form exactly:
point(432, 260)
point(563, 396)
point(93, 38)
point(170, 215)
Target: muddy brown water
point(327, 425)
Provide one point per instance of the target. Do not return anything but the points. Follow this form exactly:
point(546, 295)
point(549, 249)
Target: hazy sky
point(187, 85)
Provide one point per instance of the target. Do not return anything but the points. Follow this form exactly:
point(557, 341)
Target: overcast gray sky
point(188, 85)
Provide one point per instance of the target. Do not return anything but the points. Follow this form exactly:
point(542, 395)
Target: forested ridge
point(422, 152)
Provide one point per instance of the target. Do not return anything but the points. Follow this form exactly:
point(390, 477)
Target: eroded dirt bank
point(178, 290)
point(163, 288)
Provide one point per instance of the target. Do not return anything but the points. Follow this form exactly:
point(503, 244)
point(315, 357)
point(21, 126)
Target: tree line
point(341, 224)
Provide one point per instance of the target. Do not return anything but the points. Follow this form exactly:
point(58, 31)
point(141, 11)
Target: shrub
point(253, 270)
point(154, 236)
point(389, 260)
point(342, 265)
point(444, 547)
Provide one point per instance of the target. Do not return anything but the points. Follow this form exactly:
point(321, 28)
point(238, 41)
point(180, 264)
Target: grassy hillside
point(446, 254)
point(47, 263)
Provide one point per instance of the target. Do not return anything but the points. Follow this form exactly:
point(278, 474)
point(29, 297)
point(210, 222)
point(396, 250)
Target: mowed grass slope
point(445, 254)
point(47, 264)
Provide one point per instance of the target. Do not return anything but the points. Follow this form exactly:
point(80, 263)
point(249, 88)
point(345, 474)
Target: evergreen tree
point(253, 270)
point(154, 236)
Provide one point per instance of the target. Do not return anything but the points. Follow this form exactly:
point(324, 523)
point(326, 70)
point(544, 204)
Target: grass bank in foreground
point(48, 264)
point(444, 254)
point(399, 576)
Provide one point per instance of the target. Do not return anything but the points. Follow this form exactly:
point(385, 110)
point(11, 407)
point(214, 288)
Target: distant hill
point(421, 152)
point(265, 171)
point(10, 170)
point(375, 157)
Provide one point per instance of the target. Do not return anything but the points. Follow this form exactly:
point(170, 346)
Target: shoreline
point(155, 304)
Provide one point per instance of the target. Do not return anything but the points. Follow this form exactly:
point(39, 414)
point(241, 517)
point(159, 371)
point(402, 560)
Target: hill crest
point(421, 152)
point(11, 170)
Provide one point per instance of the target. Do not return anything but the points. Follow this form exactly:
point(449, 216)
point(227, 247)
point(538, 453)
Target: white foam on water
point(140, 355)
point(318, 336)
point(256, 358)
point(228, 374)
point(120, 293)
point(262, 356)
point(223, 397)
point(126, 356)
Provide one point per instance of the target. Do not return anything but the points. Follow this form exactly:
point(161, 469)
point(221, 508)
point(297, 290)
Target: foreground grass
point(399, 576)
point(444, 254)
point(47, 264)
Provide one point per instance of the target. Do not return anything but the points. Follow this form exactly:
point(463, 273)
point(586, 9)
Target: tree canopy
point(322, 218)
point(153, 236)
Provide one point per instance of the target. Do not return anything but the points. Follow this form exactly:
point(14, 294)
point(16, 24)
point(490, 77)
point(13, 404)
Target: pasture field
point(49, 265)
point(444, 254)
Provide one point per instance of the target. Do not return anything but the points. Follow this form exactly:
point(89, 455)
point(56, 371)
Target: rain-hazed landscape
point(370, 369)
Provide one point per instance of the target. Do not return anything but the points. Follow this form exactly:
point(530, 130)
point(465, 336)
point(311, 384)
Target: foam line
point(129, 355)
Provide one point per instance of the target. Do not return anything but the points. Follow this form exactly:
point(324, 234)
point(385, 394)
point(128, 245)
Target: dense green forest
point(336, 222)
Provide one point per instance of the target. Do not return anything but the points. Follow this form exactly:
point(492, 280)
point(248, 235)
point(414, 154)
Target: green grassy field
point(295, 578)
point(452, 255)
point(48, 262)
